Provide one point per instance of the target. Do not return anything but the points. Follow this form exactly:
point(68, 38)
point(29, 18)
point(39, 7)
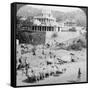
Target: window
point(45, 28)
point(32, 27)
point(49, 28)
point(40, 28)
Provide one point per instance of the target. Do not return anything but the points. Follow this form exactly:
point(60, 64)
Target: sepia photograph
point(51, 44)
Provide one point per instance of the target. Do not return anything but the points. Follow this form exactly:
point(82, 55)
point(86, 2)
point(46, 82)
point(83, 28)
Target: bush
point(78, 45)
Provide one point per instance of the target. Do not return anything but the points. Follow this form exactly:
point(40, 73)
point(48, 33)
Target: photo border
point(13, 43)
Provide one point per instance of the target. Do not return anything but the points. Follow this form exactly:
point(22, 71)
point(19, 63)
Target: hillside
point(79, 16)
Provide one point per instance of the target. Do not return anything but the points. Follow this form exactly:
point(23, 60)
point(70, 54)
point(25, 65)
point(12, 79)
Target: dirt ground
point(71, 74)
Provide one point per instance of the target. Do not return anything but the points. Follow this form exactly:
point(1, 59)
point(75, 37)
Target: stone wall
point(29, 37)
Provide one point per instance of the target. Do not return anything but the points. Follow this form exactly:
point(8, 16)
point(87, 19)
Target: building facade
point(44, 30)
point(44, 26)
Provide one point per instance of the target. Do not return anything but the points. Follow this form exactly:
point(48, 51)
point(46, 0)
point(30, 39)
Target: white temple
point(53, 30)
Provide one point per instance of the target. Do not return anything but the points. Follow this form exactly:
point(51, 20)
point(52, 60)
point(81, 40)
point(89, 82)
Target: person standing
point(79, 73)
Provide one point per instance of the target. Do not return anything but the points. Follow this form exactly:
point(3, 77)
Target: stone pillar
point(34, 28)
point(47, 28)
point(41, 28)
point(51, 28)
point(31, 28)
point(37, 28)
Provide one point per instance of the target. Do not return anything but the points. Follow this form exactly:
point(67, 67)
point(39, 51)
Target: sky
point(56, 8)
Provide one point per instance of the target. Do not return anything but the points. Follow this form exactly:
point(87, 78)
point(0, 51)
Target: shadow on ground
point(28, 81)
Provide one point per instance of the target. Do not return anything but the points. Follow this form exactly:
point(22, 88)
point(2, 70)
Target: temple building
point(70, 23)
point(46, 18)
point(41, 31)
point(44, 29)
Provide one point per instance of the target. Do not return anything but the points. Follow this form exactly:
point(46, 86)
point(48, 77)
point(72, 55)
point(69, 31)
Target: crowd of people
point(47, 63)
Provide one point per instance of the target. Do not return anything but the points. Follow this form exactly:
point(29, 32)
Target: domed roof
point(46, 11)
